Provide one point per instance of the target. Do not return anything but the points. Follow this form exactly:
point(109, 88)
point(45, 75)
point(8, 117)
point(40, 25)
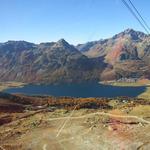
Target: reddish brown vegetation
point(70, 103)
point(12, 107)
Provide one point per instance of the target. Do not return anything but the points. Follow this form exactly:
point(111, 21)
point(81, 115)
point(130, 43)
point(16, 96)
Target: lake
point(78, 90)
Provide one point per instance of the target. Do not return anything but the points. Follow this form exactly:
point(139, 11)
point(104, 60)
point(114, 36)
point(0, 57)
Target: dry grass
point(146, 94)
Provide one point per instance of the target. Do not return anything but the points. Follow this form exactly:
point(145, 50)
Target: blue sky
point(77, 21)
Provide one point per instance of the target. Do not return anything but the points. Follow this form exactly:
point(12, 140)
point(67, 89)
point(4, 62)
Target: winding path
point(102, 113)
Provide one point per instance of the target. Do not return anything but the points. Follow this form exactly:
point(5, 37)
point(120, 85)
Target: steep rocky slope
point(127, 53)
point(127, 45)
point(60, 62)
point(53, 62)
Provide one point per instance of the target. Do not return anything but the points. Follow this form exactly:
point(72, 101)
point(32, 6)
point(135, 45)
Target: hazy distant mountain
point(53, 62)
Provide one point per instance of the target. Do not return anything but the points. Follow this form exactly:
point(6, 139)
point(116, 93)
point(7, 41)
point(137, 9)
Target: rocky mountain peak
point(63, 42)
point(64, 45)
point(17, 45)
point(132, 34)
point(129, 31)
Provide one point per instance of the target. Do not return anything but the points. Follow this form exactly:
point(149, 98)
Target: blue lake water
point(78, 90)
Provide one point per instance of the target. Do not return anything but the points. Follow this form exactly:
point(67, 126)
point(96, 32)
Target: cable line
point(139, 14)
point(134, 14)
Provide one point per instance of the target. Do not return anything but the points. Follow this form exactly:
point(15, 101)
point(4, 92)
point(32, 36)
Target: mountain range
point(126, 54)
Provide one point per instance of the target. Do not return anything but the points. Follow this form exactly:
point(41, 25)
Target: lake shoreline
point(8, 86)
point(77, 90)
point(11, 84)
point(145, 83)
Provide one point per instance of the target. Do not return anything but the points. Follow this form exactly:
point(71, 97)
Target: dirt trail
point(67, 120)
point(75, 134)
point(105, 114)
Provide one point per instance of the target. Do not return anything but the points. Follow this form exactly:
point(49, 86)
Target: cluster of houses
point(128, 80)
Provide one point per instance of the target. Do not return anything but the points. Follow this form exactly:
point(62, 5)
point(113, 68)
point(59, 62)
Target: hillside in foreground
point(73, 123)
